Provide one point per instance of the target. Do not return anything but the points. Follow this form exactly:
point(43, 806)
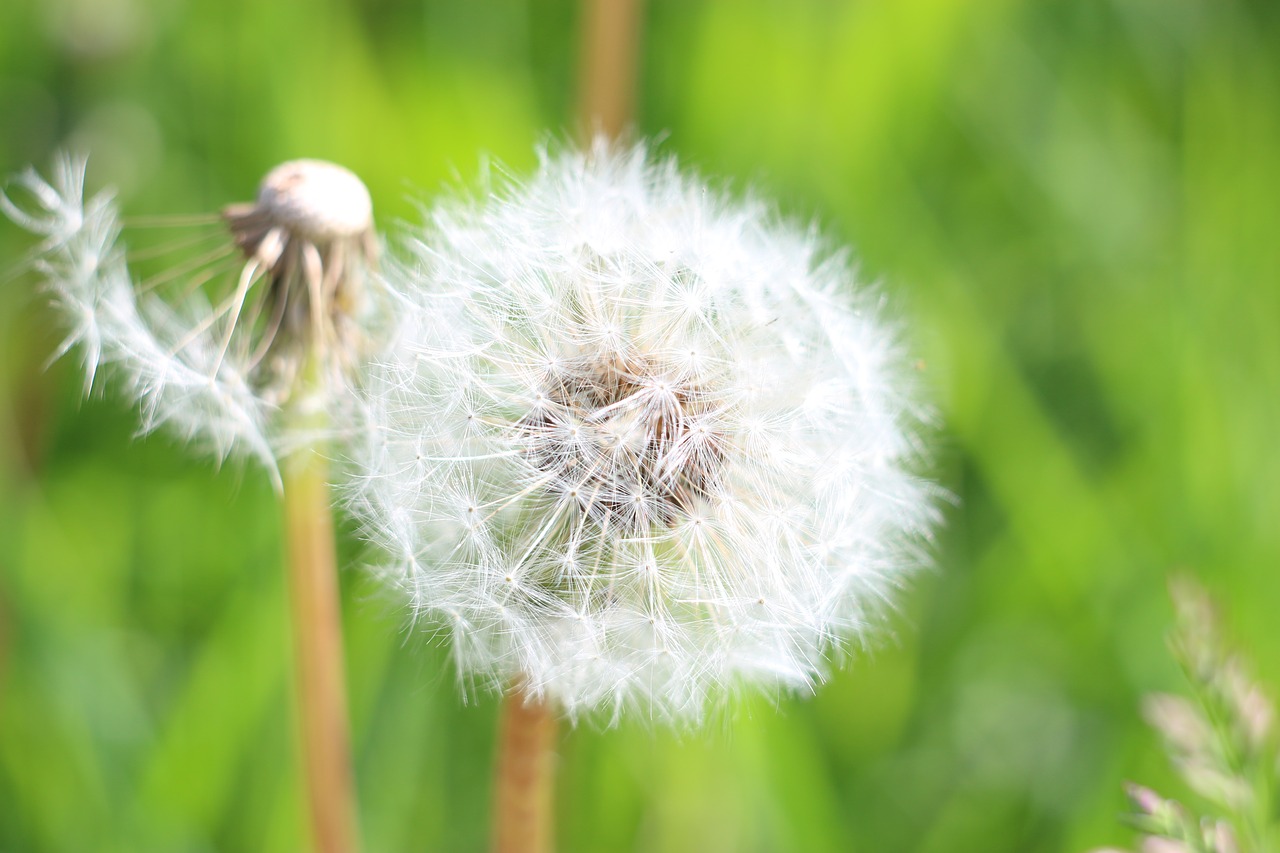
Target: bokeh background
point(1076, 203)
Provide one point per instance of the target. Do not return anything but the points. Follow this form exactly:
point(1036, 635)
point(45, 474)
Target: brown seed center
point(630, 441)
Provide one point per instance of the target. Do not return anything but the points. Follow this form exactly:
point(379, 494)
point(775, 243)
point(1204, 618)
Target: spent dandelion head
point(637, 442)
point(210, 331)
point(310, 236)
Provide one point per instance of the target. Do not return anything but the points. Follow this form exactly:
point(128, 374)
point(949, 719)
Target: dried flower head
point(310, 233)
point(286, 288)
point(637, 441)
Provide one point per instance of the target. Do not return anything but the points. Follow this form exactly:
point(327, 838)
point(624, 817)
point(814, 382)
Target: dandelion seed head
point(310, 234)
point(688, 435)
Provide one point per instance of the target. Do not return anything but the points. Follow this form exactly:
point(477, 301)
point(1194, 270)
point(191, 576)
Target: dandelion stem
point(317, 629)
point(610, 44)
point(524, 782)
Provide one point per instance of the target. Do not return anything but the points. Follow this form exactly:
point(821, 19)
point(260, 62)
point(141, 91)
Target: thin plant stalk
point(523, 785)
point(318, 652)
point(610, 49)
point(27, 431)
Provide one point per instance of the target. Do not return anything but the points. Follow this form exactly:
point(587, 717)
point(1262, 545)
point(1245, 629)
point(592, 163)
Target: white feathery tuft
point(636, 444)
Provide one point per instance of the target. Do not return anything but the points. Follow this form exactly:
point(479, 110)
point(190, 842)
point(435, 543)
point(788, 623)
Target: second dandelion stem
point(317, 633)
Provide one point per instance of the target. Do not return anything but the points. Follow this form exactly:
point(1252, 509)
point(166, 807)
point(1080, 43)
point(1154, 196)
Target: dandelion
point(637, 442)
point(216, 373)
point(638, 445)
point(244, 336)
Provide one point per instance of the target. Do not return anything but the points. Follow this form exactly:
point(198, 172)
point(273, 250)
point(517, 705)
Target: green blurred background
point(1076, 204)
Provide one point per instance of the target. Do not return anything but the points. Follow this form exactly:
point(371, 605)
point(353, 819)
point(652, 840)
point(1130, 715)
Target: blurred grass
point(1074, 201)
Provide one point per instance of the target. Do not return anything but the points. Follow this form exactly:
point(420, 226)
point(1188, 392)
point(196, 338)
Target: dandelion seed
point(695, 443)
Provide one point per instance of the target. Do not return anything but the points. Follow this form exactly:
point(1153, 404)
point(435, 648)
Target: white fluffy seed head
point(213, 339)
point(638, 444)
